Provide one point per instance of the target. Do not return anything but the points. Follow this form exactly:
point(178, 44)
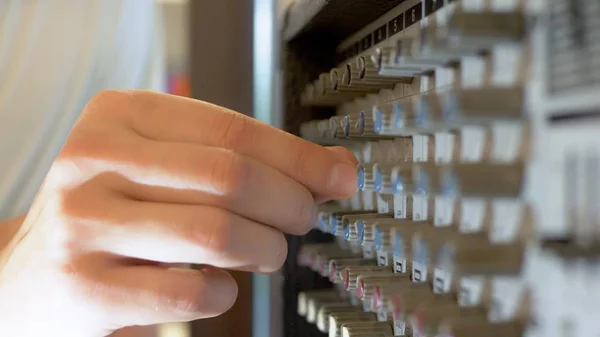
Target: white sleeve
point(54, 56)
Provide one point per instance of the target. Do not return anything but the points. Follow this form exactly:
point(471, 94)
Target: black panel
point(338, 19)
point(309, 53)
point(299, 279)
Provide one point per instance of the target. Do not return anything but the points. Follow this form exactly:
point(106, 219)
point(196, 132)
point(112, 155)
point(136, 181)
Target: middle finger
point(194, 174)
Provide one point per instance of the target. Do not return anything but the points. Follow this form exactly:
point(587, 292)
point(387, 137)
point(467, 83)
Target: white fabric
point(54, 56)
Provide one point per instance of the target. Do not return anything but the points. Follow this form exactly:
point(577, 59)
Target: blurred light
point(174, 330)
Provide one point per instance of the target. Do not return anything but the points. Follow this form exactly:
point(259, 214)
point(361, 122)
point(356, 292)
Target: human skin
point(144, 183)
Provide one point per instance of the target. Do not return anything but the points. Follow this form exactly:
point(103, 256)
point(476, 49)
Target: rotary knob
point(337, 320)
point(305, 296)
point(351, 273)
point(338, 265)
point(363, 329)
point(349, 226)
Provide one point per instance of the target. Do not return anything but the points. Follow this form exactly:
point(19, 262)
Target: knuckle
point(237, 131)
point(124, 106)
point(229, 173)
point(108, 95)
point(301, 166)
point(189, 301)
point(83, 201)
point(216, 237)
point(104, 101)
point(74, 203)
point(307, 214)
point(84, 143)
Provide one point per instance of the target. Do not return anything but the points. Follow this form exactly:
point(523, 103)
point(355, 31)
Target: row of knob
point(397, 269)
point(462, 179)
point(422, 51)
point(376, 300)
point(420, 246)
point(426, 113)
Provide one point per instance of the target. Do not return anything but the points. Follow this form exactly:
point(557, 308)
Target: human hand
point(143, 182)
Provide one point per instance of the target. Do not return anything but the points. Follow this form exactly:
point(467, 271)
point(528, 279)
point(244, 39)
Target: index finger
point(166, 118)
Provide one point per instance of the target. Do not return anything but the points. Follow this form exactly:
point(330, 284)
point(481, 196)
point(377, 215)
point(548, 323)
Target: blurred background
point(221, 51)
point(226, 52)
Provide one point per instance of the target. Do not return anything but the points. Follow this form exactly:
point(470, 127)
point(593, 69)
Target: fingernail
point(342, 180)
point(343, 154)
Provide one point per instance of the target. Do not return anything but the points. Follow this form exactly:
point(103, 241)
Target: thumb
point(343, 154)
point(340, 153)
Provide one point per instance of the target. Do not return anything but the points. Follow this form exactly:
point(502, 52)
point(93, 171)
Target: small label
point(470, 290)
point(442, 274)
point(399, 206)
point(420, 204)
point(399, 255)
point(382, 315)
point(413, 15)
point(418, 148)
point(433, 5)
point(367, 305)
point(368, 252)
point(368, 200)
point(472, 72)
point(443, 144)
point(506, 221)
point(506, 295)
point(419, 272)
point(471, 215)
point(420, 261)
point(399, 327)
point(473, 141)
point(444, 209)
point(366, 42)
point(442, 280)
point(380, 34)
point(399, 264)
point(396, 25)
point(506, 65)
point(507, 142)
point(382, 205)
point(383, 258)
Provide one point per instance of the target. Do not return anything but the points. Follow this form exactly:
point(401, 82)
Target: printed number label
point(464, 296)
point(417, 275)
point(368, 252)
point(399, 328)
point(495, 309)
point(366, 305)
point(382, 259)
point(438, 285)
point(399, 266)
point(399, 206)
